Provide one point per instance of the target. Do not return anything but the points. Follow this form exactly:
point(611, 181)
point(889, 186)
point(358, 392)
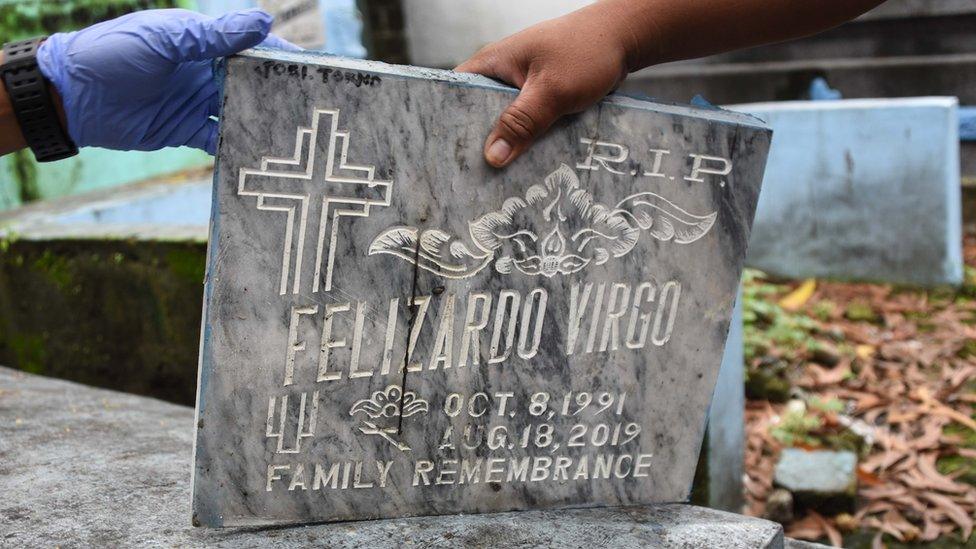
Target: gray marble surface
point(569, 312)
point(86, 467)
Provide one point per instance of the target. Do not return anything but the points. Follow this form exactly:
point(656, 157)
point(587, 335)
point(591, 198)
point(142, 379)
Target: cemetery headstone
point(861, 189)
point(393, 328)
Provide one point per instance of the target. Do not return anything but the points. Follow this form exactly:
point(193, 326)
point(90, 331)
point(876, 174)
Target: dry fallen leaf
point(864, 351)
point(867, 478)
point(907, 531)
point(906, 393)
point(820, 376)
point(799, 297)
point(808, 528)
point(946, 412)
point(833, 534)
point(931, 530)
point(887, 528)
point(926, 467)
point(969, 453)
point(953, 511)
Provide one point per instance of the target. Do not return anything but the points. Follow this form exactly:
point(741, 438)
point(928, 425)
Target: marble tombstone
point(393, 328)
point(861, 189)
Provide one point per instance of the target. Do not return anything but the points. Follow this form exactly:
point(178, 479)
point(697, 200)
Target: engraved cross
point(314, 190)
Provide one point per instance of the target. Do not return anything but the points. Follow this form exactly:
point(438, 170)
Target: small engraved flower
point(387, 403)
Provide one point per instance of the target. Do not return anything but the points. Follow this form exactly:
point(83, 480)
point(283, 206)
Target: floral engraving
point(387, 404)
point(557, 228)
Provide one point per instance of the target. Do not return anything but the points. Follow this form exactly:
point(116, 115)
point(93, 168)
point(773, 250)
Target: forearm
point(659, 31)
point(566, 64)
point(11, 138)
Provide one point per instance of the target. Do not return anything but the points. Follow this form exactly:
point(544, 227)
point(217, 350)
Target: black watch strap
point(32, 104)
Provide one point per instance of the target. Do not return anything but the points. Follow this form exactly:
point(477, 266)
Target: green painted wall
point(23, 180)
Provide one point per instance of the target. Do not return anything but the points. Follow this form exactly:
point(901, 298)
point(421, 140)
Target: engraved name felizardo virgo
point(481, 329)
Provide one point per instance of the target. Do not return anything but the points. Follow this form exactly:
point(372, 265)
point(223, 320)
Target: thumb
point(195, 37)
point(205, 138)
point(524, 121)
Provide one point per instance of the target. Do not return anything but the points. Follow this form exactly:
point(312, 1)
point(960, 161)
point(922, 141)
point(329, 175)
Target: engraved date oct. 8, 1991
point(603, 411)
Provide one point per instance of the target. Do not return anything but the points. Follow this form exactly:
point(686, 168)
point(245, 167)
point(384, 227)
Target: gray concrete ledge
point(81, 466)
point(175, 208)
point(748, 82)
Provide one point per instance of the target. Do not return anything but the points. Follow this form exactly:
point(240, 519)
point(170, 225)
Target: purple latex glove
point(145, 81)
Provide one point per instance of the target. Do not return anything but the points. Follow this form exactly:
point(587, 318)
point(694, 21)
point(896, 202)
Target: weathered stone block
point(105, 289)
point(393, 328)
point(821, 479)
point(861, 190)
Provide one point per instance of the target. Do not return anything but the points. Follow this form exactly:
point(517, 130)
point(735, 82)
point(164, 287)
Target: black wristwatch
point(32, 103)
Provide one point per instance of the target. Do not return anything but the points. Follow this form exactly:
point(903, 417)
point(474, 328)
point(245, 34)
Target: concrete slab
point(91, 467)
point(967, 124)
point(478, 22)
point(863, 189)
point(172, 208)
point(728, 83)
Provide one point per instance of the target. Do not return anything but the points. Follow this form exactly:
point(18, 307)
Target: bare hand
point(567, 64)
point(562, 66)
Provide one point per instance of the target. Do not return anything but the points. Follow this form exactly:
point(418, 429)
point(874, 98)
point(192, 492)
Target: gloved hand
point(144, 81)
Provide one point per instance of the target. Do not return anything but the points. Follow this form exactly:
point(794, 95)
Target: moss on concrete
point(30, 352)
point(185, 262)
point(24, 172)
point(117, 314)
point(861, 311)
point(768, 380)
point(55, 268)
